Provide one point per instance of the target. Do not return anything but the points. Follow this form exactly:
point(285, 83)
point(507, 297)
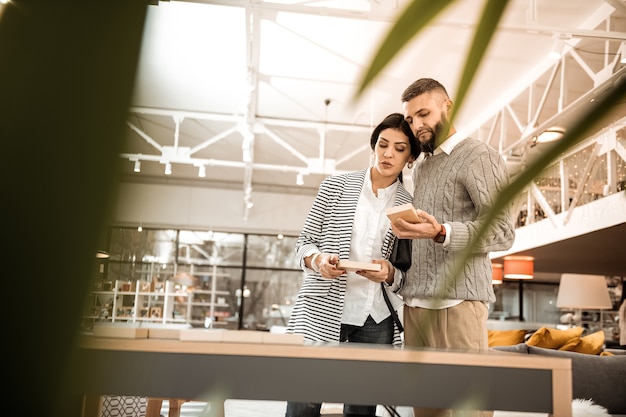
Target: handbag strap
point(393, 312)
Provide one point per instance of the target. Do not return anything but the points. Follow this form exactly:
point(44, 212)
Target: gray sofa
point(601, 379)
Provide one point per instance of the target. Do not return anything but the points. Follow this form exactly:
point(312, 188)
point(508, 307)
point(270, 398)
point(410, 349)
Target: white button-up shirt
point(364, 297)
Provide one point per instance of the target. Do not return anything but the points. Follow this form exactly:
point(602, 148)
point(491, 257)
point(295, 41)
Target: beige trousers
point(463, 326)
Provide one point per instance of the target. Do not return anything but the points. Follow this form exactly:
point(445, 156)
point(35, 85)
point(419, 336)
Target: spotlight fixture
point(557, 49)
point(168, 168)
point(558, 46)
point(137, 166)
point(299, 179)
point(550, 135)
point(202, 171)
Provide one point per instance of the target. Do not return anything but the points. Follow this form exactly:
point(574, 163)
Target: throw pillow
point(570, 344)
point(550, 338)
point(591, 344)
point(505, 337)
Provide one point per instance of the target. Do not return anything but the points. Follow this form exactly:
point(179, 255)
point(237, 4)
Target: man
point(456, 182)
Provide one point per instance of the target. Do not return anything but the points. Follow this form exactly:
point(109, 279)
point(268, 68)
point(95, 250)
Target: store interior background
point(77, 82)
point(226, 142)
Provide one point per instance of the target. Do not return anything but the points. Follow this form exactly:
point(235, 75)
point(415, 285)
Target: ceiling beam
point(384, 14)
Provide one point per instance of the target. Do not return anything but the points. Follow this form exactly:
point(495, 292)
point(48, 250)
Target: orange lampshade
point(519, 267)
point(496, 274)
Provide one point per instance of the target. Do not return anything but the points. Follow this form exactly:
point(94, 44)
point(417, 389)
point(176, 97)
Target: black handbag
point(401, 254)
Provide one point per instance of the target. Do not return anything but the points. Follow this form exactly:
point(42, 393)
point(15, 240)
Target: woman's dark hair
point(396, 121)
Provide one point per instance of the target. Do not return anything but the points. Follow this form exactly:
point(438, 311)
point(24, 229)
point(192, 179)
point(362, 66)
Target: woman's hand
point(326, 265)
point(386, 273)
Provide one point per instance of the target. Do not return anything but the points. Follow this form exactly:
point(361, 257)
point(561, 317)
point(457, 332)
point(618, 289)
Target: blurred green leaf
point(417, 15)
point(484, 32)
point(414, 18)
point(575, 134)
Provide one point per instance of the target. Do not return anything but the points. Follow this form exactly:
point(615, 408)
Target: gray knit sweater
point(457, 189)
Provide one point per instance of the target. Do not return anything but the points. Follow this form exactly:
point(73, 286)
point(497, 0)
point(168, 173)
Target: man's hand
point(427, 229)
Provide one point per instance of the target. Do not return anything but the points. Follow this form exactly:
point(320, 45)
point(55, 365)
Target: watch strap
point(441, 236)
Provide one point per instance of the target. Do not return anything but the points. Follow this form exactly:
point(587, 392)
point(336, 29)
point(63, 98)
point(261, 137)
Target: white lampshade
point(583, 291)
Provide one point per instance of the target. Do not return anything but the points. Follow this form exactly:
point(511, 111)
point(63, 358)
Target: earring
point(410, 165)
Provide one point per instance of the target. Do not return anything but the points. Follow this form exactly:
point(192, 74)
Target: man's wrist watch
point(441, 236)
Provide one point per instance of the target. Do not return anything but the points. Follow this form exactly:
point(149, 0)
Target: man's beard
point(429, 145)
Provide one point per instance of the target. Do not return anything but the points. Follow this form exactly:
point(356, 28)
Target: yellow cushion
point(591, 344)
point(570, 344)
point(505, 337)
point(553, 338)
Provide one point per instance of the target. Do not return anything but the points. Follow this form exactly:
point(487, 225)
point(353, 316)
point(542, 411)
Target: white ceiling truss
point(294, 119)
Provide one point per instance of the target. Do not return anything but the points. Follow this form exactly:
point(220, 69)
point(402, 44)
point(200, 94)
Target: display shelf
point(140, 301)
point(605, 320)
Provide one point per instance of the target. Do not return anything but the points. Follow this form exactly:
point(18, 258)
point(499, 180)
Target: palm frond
point(415, 17)
point(575, 134)
point(411, 21)
point(484, 33)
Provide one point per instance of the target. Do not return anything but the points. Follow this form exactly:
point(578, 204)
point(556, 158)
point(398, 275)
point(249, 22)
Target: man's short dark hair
point(421, 86)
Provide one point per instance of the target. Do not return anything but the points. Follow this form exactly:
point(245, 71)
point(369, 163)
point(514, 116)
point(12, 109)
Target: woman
point(347, 222)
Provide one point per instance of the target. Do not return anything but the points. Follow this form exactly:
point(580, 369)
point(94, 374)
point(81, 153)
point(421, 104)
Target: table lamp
point(579, 291)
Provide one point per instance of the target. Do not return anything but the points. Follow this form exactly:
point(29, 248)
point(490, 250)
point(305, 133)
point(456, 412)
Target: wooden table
point(342, 373)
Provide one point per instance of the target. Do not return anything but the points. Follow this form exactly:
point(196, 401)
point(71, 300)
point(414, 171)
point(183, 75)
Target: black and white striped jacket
point(328, 227)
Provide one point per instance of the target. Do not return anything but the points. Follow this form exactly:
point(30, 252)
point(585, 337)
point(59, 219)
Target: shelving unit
point(594, 320)
point(208, 306)
point(140, 301)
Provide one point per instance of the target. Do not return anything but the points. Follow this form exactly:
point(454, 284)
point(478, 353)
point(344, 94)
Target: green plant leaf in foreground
point(412, 20)
point(484, 33)
point(575, 134)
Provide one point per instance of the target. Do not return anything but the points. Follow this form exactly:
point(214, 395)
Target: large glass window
point(271, 251)
point(210, 248)
point(269, 296)
point(200, 278)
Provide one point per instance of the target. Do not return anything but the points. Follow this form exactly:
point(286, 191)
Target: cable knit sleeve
point(485, 176)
